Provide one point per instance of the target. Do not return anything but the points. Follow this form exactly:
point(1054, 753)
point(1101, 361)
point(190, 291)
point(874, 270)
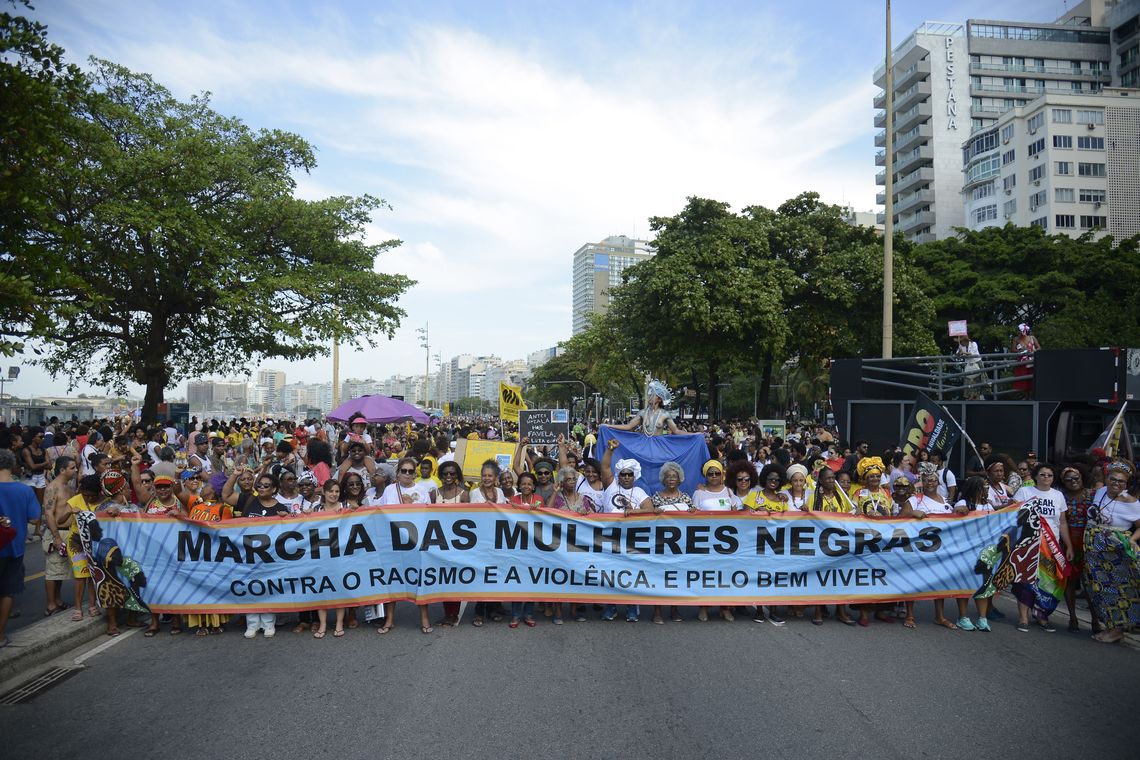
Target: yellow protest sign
point(510, 402)
point(471, 454)
point(447, 408)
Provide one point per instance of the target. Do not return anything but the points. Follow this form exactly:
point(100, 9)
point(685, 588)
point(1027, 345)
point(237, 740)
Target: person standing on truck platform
point(1024, 344)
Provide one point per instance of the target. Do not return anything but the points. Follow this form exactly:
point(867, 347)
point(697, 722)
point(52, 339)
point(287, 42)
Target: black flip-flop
point(62, 606)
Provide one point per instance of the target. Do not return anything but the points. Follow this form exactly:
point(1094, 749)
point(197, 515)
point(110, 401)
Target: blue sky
point(506, 135)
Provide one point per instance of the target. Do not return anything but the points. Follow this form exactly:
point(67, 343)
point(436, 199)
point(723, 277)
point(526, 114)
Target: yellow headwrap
point(711, 463)
point(869, 463)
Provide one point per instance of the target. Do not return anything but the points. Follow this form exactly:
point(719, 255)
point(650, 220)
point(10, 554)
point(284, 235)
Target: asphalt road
point(593, 690)
point(30, 604)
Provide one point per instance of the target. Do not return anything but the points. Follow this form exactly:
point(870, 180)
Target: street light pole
point(426, 345)
point(889, 207)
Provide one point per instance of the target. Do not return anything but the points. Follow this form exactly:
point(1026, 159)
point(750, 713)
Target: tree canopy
point(171, 244)
point(1074, 292)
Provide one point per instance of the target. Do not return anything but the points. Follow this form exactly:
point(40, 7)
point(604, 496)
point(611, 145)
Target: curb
point(1131, 639)
point(39, 643)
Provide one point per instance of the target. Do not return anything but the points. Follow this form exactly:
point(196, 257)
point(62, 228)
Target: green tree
point(711, 301)
point(834, 308)
point(1075, 292)
point(181, 245)
point(37, 94)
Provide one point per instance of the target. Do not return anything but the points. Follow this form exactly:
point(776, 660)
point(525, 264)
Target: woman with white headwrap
point(622, 496)
point(654, 419)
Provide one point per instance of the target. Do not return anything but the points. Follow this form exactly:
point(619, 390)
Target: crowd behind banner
point(1084, 536)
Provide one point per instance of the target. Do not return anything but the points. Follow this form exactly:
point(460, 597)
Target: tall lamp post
point(425, 344)
point(889, 207)
point(13, 373)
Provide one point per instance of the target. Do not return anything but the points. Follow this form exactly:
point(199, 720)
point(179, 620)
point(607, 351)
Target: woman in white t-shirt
point(406, 490)
point(714, 496)
point(487, 492)
point(1053, 509)
point(925, 503)
point(1112, 544)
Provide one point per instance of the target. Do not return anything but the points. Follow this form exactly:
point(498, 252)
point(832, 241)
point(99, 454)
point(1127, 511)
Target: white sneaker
point(250, 633)
point(270, 632)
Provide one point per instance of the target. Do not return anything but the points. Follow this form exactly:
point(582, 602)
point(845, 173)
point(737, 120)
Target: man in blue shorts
point(18, 507)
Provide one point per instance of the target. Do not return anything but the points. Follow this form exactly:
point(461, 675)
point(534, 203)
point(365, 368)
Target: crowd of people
point(214, 470)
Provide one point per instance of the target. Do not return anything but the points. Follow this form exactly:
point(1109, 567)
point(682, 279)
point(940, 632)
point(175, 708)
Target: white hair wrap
point(629, 464)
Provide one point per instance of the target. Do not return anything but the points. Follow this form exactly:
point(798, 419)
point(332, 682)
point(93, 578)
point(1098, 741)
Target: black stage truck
point(1074, 395)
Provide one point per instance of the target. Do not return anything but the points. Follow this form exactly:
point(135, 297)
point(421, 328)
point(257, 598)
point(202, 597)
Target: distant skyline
point(507, 135)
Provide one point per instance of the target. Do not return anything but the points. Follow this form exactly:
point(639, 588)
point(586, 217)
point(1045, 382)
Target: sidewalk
point(37, 644)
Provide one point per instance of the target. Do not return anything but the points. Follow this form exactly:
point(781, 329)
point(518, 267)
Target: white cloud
point(500, 160)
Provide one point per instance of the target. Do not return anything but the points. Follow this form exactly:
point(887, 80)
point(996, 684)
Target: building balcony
point(881, 199)
point(880, 158)
point(880, 100)
point(881, 138)
point(881, 178)
point(913, 116)
point(881, 119)
point(925, 237)
point(925, 175)
point(1041, 72)
point(905, 163)
point(906, 141)
point(907, 203)
point(908, 224)
point(1027, 92)
point(912, 95)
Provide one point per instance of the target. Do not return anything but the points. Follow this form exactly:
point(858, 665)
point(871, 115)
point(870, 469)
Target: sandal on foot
point(884, 617)
point(514, 623)
point(817, 621)
point(319, 634)
point(1105, 637)
point(531, 624)
point(478, 621)
point(113, 631)
point(946, 624)
point(425, 629)
point(52, 610)
point(864, 622)
point(175, 631)
point(202, 632)
point(845, 619)
point(300, 627)
point(93, 612)
point(703, 616)
point(909, 622)
point(77, 615)
point(383, 629)
point(338, 633)
point(149, 633)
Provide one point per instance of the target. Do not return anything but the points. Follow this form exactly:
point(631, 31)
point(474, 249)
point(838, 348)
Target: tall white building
point(931, 118)
point(597, 267)
point(952, 81)
point(1066, 163)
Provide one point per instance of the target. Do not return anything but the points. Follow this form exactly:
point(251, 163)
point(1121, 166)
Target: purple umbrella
point(380, 409)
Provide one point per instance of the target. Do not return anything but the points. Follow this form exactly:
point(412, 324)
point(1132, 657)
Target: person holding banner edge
point(1053, 509)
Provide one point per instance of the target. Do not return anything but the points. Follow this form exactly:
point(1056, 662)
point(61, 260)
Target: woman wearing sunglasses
point(407, 491)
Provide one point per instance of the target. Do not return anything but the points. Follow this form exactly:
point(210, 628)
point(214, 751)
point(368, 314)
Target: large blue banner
point(687, 449)
point(429, 554)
